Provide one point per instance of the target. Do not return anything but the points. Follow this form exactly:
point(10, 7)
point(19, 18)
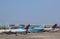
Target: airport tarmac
point(40, 35)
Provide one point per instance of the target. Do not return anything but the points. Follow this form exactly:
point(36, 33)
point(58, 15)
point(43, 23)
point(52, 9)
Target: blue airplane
point(32, 29)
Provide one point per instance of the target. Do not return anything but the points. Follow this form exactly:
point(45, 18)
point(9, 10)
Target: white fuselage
point(2, 30)
point(15, 30)
point(12, 30)
point(51, 29)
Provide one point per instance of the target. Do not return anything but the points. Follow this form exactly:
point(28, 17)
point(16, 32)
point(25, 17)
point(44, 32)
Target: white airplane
point(23, 30)
point(53, 28)
point(14, 31)
point(1, 31)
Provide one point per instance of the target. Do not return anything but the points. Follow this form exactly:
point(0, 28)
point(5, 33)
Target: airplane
point(1, 31)
point(36, 29)
point(23, 30)
point(53, 28)
point(33, 29)
point(14, 31)
point(30, 29)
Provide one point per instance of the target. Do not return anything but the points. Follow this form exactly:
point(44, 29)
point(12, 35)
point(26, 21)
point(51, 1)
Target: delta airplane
point(53, 28)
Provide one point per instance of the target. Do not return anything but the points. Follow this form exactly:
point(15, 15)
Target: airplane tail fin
point(54, 26)
point(27, 27)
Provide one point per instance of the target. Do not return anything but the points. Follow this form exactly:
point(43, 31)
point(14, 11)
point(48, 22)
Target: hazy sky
point(29, 11)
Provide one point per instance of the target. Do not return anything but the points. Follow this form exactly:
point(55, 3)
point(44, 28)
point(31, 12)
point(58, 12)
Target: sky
point(29, 11)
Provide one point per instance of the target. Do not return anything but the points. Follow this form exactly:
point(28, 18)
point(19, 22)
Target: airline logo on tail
point(54, 26)
point(27, 27)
